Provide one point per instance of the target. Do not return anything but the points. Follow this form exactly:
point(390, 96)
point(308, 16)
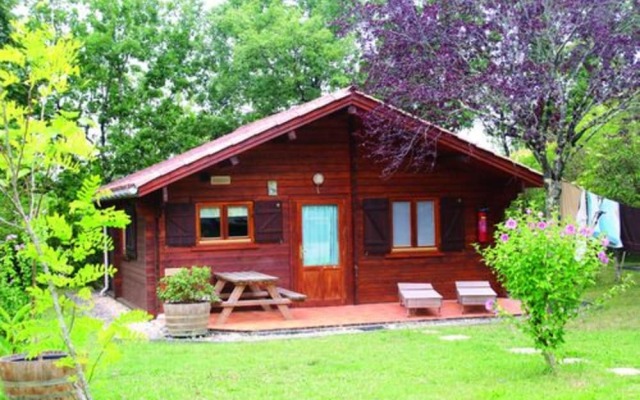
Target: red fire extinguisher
point(483, 229)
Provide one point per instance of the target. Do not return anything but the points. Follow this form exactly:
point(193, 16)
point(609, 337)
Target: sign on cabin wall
point(221, 180)
point(272, 188)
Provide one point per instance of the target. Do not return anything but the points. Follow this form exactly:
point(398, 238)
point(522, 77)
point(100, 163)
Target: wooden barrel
point(39, 378)
point(187, 320)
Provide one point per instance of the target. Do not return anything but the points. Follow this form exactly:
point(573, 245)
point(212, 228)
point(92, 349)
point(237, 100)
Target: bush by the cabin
point(547, 265)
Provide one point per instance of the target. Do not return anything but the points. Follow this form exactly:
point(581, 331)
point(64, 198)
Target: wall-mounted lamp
point(318, 180)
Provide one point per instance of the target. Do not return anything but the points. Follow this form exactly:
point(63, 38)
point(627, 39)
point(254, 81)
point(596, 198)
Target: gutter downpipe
point(105, 251)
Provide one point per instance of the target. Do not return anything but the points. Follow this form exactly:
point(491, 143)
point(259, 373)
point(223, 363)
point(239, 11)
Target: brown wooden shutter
point(377, 232)
point(267, 219)
point(451, 224)
point(180, 225)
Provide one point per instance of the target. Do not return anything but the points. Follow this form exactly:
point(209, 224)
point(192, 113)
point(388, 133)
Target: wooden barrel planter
point(38, 378)
point(188, 319)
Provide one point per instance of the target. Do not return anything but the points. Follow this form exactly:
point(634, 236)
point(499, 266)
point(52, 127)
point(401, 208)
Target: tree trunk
point(550, 358)
point(553, 190)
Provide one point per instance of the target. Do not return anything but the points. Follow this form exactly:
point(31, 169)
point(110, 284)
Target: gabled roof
point(251, 135)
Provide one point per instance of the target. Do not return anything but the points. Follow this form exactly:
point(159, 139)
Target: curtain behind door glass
point(320, 235)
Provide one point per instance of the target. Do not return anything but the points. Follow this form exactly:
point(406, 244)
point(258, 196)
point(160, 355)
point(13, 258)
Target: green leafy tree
point(5, 20)
point(39, 141)
point(609, 164)
point(142, 63)
point(547, 266)
point(280, 54)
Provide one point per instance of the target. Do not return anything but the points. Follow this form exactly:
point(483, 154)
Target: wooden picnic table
point(264, 293)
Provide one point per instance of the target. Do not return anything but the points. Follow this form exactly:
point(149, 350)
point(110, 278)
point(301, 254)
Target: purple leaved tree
point(539, 73)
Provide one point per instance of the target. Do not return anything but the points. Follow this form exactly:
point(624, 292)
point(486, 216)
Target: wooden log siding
point(323, 146)
point(133, 271)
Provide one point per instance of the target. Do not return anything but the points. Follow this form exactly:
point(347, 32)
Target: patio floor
point(351, 315)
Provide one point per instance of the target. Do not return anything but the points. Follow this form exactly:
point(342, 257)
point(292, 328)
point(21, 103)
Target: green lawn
point(402, 364)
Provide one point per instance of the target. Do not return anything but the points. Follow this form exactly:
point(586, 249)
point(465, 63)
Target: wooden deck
point(344, 316)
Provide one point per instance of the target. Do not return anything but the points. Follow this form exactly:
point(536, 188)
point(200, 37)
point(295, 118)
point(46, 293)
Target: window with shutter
point(180, 228)
point(268, 222)
point(452, 224)
point(414, 224)
point(376, 226)
point(224, 222)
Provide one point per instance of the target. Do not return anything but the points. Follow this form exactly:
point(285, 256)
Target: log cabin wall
point(477, 187)
point(291, 160)
point(136, 277)
point(321, 146)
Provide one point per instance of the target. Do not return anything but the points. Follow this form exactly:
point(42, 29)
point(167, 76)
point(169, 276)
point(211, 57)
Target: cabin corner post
point(158, 218)
point(353, 194)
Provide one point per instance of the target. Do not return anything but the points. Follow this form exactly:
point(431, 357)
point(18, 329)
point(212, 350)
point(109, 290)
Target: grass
point(401, 364)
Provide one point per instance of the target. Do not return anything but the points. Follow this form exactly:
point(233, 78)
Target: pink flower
point(504, 237)
point(490, 305)
point(11, 237)
point(605, 242)
point(528, 211)
point(570, 230)
point(511, 223)
point(602, 256)
point(540, 214)
point(586, 231)
point(542, 225)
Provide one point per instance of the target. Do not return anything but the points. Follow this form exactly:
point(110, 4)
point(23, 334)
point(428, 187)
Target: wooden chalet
point(293, 195)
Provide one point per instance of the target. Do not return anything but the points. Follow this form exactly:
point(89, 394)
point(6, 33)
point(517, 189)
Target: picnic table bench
point(262, 292)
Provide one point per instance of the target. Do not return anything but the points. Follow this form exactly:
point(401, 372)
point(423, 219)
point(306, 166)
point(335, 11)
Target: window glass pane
point(320, 244)
point(238, 220)
point(426, 224)
point(401, 224)
point(210, 222)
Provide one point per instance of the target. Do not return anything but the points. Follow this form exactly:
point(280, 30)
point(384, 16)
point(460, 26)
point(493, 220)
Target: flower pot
point(187, 319)
point(38, 378)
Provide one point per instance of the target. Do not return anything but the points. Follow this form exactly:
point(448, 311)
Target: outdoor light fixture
point(318, 180)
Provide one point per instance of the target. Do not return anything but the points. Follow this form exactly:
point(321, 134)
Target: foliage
point(40, 141)
point(16, 274)
point(283, 53)
point(5, 18)
point(609, 164)
point(547, 266)
point(530, 70)
point(11, 328)
point(188, 285)
point(161, 77)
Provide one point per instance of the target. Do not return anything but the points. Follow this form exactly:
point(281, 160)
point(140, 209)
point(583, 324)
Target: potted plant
point(187, 296)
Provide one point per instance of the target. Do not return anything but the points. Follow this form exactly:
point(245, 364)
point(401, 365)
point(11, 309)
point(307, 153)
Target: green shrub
point(188, 285)
point(547, 265)
point(16, 275)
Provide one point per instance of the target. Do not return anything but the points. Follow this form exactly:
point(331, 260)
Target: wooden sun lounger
point(474, 293)
point(419, 295)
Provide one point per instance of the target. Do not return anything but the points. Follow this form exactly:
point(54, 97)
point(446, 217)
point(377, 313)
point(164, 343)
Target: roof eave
point(119, 193)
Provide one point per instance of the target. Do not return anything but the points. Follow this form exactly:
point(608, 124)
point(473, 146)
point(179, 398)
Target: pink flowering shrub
point(547, 265)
